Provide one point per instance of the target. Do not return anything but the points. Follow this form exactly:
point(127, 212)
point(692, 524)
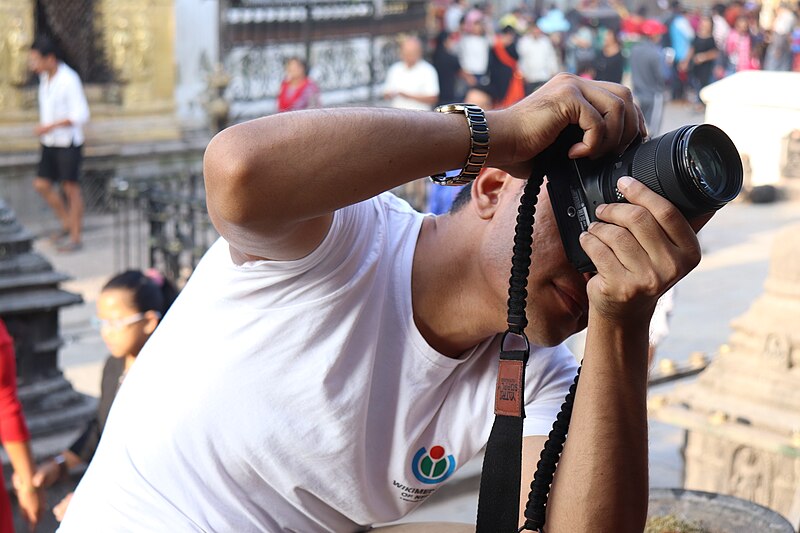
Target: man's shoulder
point(68, 75)
point(424, 65)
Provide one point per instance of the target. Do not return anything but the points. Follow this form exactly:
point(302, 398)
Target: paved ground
point(731, 276)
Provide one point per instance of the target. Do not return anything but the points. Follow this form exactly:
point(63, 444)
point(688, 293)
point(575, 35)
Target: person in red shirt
point(298, 91)
point(16, 441)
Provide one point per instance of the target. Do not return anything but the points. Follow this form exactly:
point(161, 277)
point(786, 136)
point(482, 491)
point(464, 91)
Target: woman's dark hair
point(151, 291)
point(45, 46)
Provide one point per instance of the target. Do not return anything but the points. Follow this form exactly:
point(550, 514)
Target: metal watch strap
point(478, 144)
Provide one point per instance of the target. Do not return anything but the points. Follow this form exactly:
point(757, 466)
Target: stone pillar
point(741, 415)
point(29, 304)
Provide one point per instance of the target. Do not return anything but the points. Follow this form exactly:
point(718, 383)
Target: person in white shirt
point(333, 358)
point(473, 52)
point(63, 112)
point(412, 82)
point(538, 61)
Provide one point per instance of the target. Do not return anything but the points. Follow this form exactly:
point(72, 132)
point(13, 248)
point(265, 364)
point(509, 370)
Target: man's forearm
point(601, 483)
point(296, 166)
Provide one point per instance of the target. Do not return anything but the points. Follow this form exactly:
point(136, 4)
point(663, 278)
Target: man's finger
point(631, 121)
point(623, 243)
point(671, 220)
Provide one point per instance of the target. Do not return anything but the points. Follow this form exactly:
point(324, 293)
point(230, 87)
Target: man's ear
point(486, 191)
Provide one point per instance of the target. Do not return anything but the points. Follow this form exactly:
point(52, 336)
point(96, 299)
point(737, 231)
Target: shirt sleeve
point(85, 446)
point(12, 421)
point(78, 106)
point(548, 378)
point(391, 79)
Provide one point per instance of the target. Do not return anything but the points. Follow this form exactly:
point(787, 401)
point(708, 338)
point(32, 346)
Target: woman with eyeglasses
point(129, 308)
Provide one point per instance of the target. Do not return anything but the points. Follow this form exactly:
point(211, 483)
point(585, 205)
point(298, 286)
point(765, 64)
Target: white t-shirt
point(419, 80)
point(61, 97)
point(537, 58)
point(298, 396)
point(473, 53)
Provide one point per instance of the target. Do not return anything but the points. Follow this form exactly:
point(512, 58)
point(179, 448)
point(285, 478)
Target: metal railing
point(161, 222)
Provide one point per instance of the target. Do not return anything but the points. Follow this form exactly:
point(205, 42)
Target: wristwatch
point(61, 462)
point(478, 145)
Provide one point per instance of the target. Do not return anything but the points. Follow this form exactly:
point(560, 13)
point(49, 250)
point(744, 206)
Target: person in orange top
point(506, 81)
point(16, 441)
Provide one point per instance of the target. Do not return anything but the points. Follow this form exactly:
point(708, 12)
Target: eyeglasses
point(119, 323)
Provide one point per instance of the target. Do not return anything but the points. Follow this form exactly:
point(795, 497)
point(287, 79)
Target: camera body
point(695, 167)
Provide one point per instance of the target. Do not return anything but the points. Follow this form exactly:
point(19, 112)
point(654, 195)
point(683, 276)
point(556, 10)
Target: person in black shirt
point(702, 57)
point(447, 66)
point(610, 64)
point(129, 308)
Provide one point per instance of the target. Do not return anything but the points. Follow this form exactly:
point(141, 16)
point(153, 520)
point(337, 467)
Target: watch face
point(450, 108)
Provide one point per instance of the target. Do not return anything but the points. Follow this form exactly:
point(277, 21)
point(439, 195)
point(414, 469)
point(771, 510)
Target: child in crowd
point(129, 308)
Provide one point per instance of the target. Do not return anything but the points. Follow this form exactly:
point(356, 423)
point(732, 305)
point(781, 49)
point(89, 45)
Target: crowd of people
point(662, 52)
point(596, 41)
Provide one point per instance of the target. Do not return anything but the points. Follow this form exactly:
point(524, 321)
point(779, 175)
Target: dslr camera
point(695, 167)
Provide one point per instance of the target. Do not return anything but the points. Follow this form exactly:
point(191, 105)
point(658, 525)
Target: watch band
point(478, 144)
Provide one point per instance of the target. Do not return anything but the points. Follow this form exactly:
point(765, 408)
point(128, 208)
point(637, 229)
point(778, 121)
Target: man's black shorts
point(60, 164)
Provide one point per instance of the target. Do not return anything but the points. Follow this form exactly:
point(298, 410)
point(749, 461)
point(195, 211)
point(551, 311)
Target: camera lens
point(706, 167)
point(697, 168)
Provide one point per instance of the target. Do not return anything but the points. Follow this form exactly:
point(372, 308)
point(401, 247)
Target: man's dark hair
point(462, 198)
point(45, 46)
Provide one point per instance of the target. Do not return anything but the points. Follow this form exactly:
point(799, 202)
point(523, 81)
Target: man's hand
point(47, 474)
point(605, 111)
point(640, 250)
point(43, 129)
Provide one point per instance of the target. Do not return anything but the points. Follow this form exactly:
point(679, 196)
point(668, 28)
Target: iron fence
point(161, 222)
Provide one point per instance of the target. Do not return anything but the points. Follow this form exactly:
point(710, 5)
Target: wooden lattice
point(72, 25)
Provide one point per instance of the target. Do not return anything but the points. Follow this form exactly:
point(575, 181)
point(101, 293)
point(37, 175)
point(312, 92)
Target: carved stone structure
point(741, 415)
point(29, 304)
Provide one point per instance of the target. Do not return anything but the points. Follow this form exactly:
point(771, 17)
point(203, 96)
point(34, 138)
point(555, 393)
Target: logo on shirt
point(432, 466)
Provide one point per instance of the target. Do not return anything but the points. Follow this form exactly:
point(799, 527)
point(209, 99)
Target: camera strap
point(499, 497)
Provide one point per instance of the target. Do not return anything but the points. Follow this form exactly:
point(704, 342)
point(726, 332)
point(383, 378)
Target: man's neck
point(450, 309)
point(52, 71)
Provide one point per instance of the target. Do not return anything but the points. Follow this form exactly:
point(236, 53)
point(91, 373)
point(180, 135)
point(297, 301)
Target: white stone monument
point(759, 111)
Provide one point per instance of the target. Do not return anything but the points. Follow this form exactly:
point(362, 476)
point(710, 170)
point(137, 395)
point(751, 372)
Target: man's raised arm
point(273, 183)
